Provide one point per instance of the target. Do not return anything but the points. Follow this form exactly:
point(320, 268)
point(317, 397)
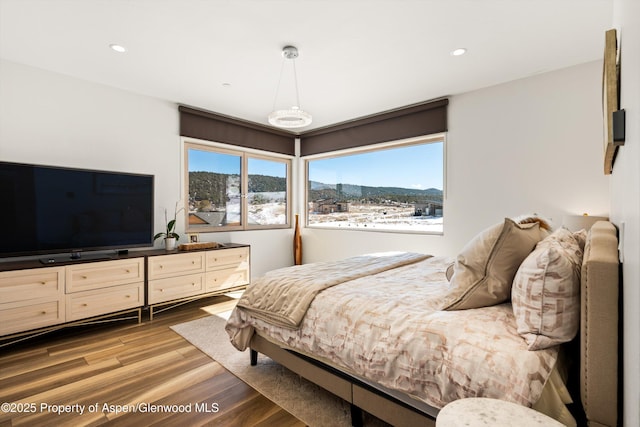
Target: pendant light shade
point(294, 116)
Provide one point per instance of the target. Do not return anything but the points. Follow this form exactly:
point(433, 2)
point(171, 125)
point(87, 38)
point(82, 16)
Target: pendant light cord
point(295, 82)
point(295, 79)
point(275, 99)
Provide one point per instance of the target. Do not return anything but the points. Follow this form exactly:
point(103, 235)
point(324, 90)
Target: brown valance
point(416, 120)
point(209, 126)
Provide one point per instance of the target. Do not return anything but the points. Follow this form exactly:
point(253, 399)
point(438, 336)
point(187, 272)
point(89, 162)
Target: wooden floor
point(107, 369)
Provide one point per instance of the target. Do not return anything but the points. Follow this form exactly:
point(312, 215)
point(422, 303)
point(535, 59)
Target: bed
point(400, 335)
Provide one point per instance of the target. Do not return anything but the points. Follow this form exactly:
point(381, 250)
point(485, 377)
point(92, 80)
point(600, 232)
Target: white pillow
point(546, 291)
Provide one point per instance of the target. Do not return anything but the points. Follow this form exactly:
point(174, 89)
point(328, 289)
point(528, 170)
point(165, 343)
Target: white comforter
point(387, 328)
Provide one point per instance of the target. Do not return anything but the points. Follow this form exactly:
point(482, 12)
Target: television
point(54, 210)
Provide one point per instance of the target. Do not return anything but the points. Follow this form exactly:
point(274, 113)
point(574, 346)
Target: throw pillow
point(484, 270)
point(546, 291)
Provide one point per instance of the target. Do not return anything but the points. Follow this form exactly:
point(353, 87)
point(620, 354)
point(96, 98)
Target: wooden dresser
point(36, 297)
point(181, 277)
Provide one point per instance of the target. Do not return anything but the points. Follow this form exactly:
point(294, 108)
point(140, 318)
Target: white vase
point(170, 243)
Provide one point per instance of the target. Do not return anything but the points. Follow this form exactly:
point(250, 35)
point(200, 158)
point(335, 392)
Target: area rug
point(309, 403)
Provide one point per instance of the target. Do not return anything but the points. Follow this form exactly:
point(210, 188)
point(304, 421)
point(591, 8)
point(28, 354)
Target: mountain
point(215, 186)
point(321, 190)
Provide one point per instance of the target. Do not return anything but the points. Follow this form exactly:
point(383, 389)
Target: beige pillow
point(449, 271)
point(484, 270)
point(546, 291)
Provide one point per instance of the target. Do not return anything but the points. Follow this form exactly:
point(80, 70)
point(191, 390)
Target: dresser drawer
point(223, 258)
point(25, 315)
point(226, 278)
point(96, 275)
point(168, 289)
point(21, 285)
point(177, 264)
point(102, 301)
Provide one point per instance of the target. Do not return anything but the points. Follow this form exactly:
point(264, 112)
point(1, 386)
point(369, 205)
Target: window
point(235, 190)
point(398, 187)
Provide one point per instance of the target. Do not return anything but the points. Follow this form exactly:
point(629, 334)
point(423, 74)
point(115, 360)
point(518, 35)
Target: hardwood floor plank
point(195, 394)
point(22, 386)
point(126, 363)
point(162, 343)
point(281, 419)
point(164, 388)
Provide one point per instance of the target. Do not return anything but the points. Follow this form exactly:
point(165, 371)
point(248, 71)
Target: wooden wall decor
point(609, 97)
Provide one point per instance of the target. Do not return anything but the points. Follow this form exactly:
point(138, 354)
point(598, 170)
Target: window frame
point(420, 140)
point(244, 154)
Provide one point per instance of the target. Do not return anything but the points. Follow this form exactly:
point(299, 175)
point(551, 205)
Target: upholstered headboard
point(599, 326)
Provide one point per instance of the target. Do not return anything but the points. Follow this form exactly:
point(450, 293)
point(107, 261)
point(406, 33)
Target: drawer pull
point(128, 296)
point(84, 277)
point(43, 283)
point(128, 271)
point(193, 284)
point(161, 290)
point(85, 305)
point(161, 266)
point(43, 312)
point(193, 262)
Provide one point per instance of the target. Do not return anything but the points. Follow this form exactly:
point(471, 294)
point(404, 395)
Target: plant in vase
point(169, 235)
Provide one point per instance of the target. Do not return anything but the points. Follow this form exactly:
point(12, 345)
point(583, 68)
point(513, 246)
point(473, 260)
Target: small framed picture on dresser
point(193, 237)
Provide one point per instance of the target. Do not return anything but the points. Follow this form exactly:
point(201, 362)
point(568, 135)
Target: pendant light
point(293, 117)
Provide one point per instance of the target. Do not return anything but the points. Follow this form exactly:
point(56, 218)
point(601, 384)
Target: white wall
point(625, 200)
point(531, 145)
point(49, 118)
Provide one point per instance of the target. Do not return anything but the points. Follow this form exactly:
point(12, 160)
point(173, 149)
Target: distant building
point(427, 209)
point(329, 206)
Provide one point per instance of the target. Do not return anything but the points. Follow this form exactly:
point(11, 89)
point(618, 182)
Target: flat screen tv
point(53, 210)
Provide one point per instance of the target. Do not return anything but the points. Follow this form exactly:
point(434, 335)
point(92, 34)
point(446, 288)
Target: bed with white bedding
point(414, 332)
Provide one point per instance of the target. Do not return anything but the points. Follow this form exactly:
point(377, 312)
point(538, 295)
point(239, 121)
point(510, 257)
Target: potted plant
point(170, 236)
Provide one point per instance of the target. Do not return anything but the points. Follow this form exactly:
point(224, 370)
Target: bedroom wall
point(531, 145)
point(625, 200)
point(53, 119)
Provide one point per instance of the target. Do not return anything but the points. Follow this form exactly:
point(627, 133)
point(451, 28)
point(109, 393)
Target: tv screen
point(48, 210)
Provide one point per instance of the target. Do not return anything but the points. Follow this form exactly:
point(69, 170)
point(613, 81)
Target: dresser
point(34, 297)
point(181, 277)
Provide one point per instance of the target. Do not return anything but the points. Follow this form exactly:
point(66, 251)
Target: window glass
point(398, 188)
point(231, 190)
point(267, 192)
point(214, 189)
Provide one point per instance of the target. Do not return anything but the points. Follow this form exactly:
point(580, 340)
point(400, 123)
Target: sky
point(414, 166)
point(206, 161)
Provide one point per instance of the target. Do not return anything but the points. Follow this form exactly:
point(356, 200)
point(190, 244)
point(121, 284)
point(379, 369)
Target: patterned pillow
point(546, 291)
point(484, 270)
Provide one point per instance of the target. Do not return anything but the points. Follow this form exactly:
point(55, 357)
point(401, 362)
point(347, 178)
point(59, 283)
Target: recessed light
point(459, 51)
point(118, 48)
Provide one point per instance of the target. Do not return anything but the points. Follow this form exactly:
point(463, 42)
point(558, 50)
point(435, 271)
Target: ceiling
point(357, 57)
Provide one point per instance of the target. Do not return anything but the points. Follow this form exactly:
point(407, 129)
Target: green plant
point(171, 225)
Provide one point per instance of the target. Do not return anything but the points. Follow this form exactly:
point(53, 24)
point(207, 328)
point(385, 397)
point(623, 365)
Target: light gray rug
point(311, 404)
